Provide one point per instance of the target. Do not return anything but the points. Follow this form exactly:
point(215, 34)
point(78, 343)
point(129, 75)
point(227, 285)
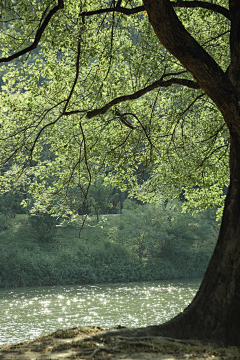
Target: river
point(30, 312)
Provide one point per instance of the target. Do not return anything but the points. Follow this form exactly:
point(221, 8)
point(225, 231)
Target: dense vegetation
point(146, 242)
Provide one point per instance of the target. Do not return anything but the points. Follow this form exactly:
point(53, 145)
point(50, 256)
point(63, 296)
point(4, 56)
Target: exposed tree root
point(95, 343)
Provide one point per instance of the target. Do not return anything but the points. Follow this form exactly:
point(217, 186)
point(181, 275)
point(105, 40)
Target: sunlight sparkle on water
point(32, 312)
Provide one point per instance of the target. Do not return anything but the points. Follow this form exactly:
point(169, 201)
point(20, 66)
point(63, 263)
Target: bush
point(159, 236)
point(146, 242)
point(44, 226)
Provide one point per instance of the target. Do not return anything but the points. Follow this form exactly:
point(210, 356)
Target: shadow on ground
point(89, 342)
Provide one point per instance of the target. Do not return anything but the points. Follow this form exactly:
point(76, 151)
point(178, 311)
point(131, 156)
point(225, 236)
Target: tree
point(100, 197)
point(157, 232)
point(116, 85)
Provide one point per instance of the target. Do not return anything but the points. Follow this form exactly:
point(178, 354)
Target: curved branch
point(123, 120)
point(204, 69)
point(179, 3)
point(202, 4)
point(120, 9)
point(37, 36)
point(159, 83)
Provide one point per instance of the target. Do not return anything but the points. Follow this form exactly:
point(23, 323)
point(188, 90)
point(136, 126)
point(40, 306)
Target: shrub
point(44, 226)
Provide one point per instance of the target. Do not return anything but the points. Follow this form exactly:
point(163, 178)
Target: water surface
point(30, 312)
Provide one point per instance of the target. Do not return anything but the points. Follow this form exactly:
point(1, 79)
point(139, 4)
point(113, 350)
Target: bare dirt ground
point(89, 342)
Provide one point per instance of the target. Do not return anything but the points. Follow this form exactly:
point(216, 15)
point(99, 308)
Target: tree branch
point(120, 9)
point(187, 4)
point(67, 101)
point(204, 69)
point(123, 120)
point(184, 112)
point(37, 36)
point(184, 4)
point(202, 4)
point(159, 83)
point(212, 152)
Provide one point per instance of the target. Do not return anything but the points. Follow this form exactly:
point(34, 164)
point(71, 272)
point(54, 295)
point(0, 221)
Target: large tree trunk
point(214, 313)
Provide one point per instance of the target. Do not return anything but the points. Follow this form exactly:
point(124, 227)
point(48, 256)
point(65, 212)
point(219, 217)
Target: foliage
point(10, 203)
point(160, 231)
point(44, 225)
point(101, 198)
point(173, 245)
point(9, 207)
point(55, 97)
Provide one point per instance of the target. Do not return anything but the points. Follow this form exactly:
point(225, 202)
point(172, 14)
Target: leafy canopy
point(102, 97)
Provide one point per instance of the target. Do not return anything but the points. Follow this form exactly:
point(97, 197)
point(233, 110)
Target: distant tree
point(10, 203)
point(155, 231)
point(101, 197)
point(10, 206)
point(44, 226)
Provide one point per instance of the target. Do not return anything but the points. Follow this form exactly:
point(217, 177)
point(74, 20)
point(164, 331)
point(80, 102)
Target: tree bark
point(214, 313)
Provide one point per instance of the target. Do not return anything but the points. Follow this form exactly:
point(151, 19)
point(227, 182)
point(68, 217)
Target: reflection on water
point(27, 313)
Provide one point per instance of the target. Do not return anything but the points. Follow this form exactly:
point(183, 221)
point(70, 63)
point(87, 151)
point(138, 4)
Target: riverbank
point(91, 342)
point(108, 252)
